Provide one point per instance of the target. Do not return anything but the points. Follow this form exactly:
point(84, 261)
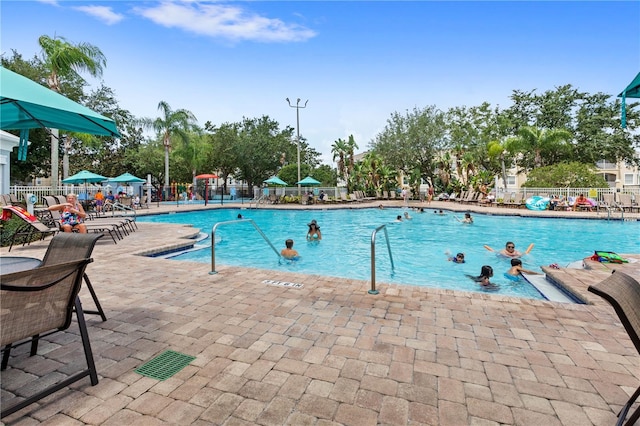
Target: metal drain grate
point(165, 365)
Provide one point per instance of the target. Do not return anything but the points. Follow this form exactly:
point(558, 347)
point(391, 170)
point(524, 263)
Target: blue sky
point(355, 61)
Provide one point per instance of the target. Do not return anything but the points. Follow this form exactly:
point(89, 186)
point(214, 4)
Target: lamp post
point(298, 107)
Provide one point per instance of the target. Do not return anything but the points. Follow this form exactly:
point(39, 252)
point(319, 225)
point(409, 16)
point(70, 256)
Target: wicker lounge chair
point(41, 301)
point(623, 293)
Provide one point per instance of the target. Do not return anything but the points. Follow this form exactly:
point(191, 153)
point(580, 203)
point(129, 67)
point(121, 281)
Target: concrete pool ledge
point(326, 353)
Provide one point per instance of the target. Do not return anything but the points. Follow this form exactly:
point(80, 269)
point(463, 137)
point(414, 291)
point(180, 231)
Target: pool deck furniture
point(327, 352)
point(623, 293)
point(40, 302)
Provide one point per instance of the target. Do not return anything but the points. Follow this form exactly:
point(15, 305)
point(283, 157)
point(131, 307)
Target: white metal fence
point(595, 193)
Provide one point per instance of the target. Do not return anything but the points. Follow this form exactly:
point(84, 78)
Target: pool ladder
point(213, 240)
point(373, 248)
point(373, 256)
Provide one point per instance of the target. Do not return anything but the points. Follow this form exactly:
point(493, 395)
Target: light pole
point(298, 107)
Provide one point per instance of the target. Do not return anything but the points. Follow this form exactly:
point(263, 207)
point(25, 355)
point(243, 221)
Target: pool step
point(547, 289)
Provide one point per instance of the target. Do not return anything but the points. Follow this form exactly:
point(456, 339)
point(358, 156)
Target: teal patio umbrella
point(127, 178)
point(275, 180)
point(308, 181)
point(84, 177)
point(631, 91)
point(25, 104)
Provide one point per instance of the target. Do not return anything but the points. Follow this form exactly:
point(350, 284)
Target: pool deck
point(327, 353)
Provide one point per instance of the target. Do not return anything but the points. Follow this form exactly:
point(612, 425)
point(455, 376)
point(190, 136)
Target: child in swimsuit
point(289, 252)
point(516, 269)
point(459, 258)
point(484, 278)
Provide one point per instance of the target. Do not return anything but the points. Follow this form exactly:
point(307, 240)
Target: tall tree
point(171, 125)
point(413, 140)
point(259, 149)
point(541, 147)
point(62, 58)
point(339, 151)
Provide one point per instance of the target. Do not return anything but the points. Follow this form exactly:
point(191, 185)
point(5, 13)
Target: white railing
point(41, 191)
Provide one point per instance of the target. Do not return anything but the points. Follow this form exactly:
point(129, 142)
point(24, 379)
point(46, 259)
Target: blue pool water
point(419, 246)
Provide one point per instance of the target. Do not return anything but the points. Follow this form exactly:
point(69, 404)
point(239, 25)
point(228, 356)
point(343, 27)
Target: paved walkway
point(324, 354)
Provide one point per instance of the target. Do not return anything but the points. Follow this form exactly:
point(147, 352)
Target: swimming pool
point(419, 246)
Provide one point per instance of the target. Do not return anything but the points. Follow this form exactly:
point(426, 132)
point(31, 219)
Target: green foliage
point(565, 175)
point(289, 173)
point(413, 141)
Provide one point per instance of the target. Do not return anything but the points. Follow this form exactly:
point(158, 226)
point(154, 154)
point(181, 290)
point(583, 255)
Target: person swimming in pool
point(458, 258)
point(314, 233)
point(516, 269)
point(510, 250)
point(288, 252)
point(467, 218)
point(484, 278)
point(406, 216)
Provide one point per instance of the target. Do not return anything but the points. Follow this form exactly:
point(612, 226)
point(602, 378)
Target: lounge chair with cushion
point(115, 228)
point(623, 293)
point(41, 301)
point(30, 227)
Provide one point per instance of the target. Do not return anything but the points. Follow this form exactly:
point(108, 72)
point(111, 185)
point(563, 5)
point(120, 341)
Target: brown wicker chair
point(41, 301)
point(623, 293)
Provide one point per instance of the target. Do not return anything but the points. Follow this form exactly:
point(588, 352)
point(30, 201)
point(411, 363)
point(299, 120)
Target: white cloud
point(224, 21)
point(103, 13)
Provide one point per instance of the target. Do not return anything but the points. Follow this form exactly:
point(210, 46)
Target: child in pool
point(289, 252)
point(516, 269)
point(458, 258)
point(484, 278)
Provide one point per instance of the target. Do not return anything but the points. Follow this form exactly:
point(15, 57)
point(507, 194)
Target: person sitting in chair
point(72, 216)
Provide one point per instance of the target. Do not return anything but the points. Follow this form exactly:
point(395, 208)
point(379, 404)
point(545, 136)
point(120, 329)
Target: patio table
point(10, 264)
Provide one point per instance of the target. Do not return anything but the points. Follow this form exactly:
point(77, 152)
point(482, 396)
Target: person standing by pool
point(430, 192)
point(99, 200)
point(314, 233)
point(288, 252)
point(510, 250)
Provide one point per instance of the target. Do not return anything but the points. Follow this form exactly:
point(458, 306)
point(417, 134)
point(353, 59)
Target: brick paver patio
point(327, 353)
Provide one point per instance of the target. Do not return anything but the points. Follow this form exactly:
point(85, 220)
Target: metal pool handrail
point(373, 256)
point(213, 240)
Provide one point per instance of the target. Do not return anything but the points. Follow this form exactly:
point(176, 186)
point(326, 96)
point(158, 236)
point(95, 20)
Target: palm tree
point(351, 147)
point(498, 150)
point(542, 142)
point(61, 58)
point(339, 150)
point(171, 124)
